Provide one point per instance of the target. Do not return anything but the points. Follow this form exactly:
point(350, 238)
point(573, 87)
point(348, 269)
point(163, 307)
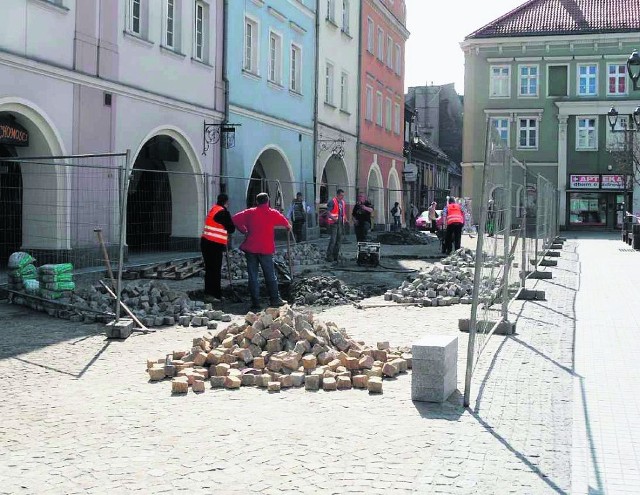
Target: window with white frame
point(390, 52)
point(528, 80)
point(344, 92)
point(500, 81)
point(296, 69)
point(370, 35)
point(251, 50)
point(527, 133)
point(328, 83)
point(345, 16)
point(616, 79)
point(200, 32)
point(398, 65)
point(331, 10)
point(396, 121)
point(616, 141)
point(388, 116)
point(501, 125)
point(368, 115)
point(135, 16)
point(170, 21)
point(586, 133)
point(380, 44)
point(587, 79)
point(275, 58)
point(379, 108)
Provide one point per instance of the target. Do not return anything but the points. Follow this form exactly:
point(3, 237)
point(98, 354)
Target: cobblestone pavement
point(606, 427)
point(79, 415)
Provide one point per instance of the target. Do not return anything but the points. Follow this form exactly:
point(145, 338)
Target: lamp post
point(633, 69)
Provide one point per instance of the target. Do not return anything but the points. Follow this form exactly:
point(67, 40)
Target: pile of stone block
point(277, 349)
point(406, 237)
point(324, 291)
point(303, 254)
point(238, 263)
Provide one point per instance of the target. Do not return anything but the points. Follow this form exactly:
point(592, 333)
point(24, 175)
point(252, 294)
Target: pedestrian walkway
point(606, 412)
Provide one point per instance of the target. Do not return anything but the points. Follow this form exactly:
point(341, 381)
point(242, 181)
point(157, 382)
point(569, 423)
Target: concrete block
point(504, 328)
point(429, 388)
point(119, 330)
point(538, 275)
point(434, 364)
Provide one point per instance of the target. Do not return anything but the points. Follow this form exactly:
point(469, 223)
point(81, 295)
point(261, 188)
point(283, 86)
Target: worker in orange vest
point(455, 222)
point(337, 218)
point(213, 244)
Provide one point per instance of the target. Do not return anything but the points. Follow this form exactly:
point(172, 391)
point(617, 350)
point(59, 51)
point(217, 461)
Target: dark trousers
point(433, 226)
point(362, 230)
point(264, 261)
point(453, 236)
point(298, 230)
point(212, 253)
point(336, 231)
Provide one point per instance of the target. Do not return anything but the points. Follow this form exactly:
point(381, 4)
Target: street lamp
point(633, 68)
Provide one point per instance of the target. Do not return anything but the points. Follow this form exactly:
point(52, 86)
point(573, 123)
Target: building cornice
point(303, 8)
point(391, 18)
point(117, 88)
point(556, 40)
point(599, 107)
point(269, 119)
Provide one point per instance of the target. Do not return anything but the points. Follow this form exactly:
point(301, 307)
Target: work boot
point(255, 307)
point(276, 303)
point(208, 298)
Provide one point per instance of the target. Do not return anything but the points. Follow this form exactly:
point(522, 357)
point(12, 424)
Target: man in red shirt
point(258, 225)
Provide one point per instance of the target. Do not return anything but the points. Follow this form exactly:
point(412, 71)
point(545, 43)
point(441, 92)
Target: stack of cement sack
point(22, 273)
point(56, 281)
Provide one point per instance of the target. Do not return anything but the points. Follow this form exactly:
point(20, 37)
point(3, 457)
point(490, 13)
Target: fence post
point(507, 236)
point(539, 219)
point(523, 204)
point(123, 227)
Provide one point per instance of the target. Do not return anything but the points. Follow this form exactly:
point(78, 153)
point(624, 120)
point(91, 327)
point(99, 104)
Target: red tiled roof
point(557, 17)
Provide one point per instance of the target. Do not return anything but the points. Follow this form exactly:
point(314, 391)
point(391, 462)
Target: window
point(379, 108)
point(370, 35)
point(616, 140)
point(380, 44)
point(398, 66)
point(396, 121)
point(586, 135)
point(331, 10)
point(135, 12)
point(170, 21)
point(251, 51)
point(528, 133)
point(296, 69)
point(345, 16)
point(587, 80)
point(528, 85)
point(557, 80)
point(328, 84)
point(199, 31)
point(369, 105)
point(344, 91)
point(501, 125)
point(500, 83)
point(275, 58)
point(388, 114)
point(390, 52)
point(616, 79)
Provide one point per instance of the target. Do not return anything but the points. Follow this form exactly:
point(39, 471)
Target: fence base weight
point(504, 327)
point(538, 275)
point(119, 329)
point(531, 295)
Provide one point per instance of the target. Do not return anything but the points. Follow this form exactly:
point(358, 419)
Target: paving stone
point(374, 385)
point(273, 386)
point(312, 382)
point(179, 385)
point(329, 384)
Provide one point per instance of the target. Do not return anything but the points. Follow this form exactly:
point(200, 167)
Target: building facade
point(381, 139)
point(139, 75)
point(545, 76)
point(271, 71)
point(338, 97)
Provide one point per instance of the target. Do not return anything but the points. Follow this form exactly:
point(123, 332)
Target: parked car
point(423, 222)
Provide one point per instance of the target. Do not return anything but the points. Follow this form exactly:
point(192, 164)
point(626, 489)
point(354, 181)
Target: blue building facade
point(271, 63)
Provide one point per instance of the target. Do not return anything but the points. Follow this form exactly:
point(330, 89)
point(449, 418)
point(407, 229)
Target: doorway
point(11, 194)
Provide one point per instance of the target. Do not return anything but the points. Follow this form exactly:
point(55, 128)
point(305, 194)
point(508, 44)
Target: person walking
point(491, 218)
point(361, 215)
point(413, 215)
point(455, 222)
point(297, 214)
point(213, 244)
point(258, 225)
point(433, 216)
point(337, 218)
point(396, 213)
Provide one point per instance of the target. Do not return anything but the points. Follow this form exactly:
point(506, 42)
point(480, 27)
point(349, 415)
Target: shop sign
point(613, 182)
point(585, 181)
point(410, 173)
point(12, 133)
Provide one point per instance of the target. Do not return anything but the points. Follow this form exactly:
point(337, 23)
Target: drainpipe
point(359, 92)
point(225, 81)
point(315, 117)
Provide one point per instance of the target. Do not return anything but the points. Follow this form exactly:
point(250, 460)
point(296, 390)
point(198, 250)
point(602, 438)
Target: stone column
point(562, 169)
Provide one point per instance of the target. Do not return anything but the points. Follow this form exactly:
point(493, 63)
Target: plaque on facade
point(12, 133)
point(584, 181)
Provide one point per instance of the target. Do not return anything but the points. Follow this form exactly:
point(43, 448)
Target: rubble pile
point(303, 254)
point(450, 284)
point(238, 264)
point(276, 349)
point(406, 237)
point(323, 291)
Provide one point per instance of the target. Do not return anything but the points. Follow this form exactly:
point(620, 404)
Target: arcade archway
point(334, 177)
point(271, 174)
point(375, 193)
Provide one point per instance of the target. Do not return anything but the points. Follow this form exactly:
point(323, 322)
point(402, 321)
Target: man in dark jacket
point(258, 225)
point(361, 215)
point(213, 243)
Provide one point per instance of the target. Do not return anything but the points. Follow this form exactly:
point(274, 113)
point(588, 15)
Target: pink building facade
point(381, 161)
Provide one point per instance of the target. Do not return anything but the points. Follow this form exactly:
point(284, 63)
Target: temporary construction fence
point(517, 222)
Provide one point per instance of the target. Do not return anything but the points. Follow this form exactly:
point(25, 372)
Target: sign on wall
point(12, 133)
point(613, 182)
point(584, 181)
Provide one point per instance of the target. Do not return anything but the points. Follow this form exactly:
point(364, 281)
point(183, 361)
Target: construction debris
point(280, 348)
point(174, 270)
point(406, 237)
point(324, 291)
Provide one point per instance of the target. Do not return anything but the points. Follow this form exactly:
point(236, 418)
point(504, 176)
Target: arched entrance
point(165, 199)
point(375, 193)
point(395, 192)
point(334, 177)
point(10, 204)
point(271, 174)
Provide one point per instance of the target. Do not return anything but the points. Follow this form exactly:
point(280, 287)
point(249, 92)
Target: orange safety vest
point(333, 217)
point(454, 214)
point(214, 231)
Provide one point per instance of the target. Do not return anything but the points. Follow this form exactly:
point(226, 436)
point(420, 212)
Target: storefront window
point(587, 209)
